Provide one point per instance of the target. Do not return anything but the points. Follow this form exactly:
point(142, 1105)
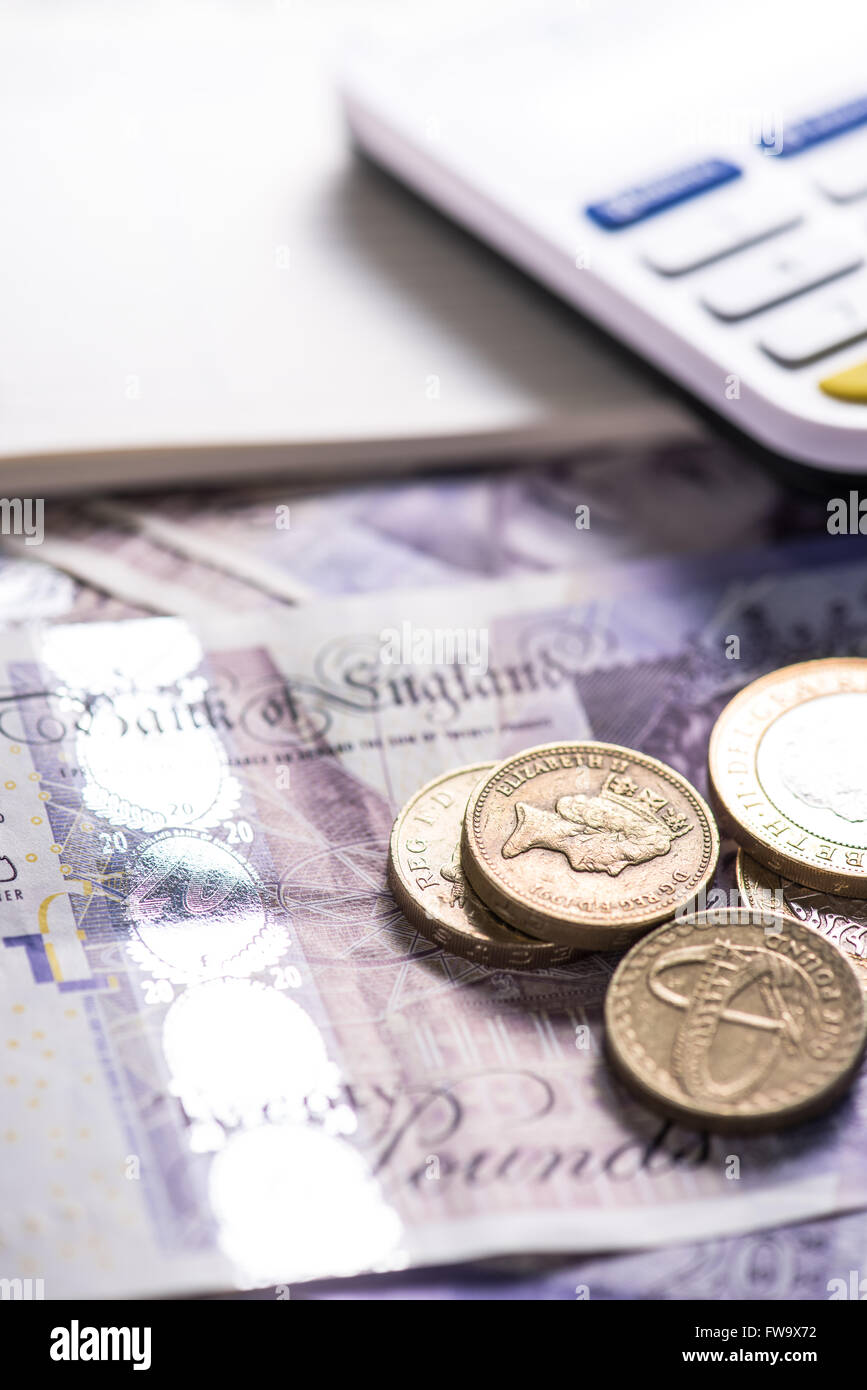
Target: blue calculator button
point(646, 199)
point(797, 136)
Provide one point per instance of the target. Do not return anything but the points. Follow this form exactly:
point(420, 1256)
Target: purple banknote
point(228, 1059)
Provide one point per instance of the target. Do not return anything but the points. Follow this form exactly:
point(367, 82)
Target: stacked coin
point(755, 1017)
point(740, 1019)
point(427, 878)
point(564, 848)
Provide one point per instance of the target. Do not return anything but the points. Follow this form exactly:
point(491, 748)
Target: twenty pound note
point(227, 1058)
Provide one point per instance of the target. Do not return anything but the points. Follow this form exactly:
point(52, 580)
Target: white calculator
point(691, 176)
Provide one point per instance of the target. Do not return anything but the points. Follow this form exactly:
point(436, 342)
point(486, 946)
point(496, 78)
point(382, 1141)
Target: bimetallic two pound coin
point(428, 883)
point(728, 1021)
point(587, 843)
point(788, 773)
point(842, 921)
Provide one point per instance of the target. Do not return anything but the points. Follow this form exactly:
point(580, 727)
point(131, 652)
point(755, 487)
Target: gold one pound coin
point(730, 1020)
point(587, 843)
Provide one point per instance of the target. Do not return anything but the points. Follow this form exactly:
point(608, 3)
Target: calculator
point(692, 177)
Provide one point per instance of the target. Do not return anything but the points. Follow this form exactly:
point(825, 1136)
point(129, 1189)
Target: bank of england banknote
point(226, 1056)
point(88, 567)
point(33, 591)
point(584, 513)
point(815, 1260)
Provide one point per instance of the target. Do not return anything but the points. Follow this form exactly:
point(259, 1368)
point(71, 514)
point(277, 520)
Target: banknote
point(591, 510)
point(228, 1059)
point(815, 1260)
point(113, 570)
point(32, 590)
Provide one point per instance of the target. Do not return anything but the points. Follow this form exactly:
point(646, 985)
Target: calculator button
point(765, 278)
point(842, 176)
point(704, 235)
point(645, 199)
point(797, 136)
point(816, 327)
point(848, 386)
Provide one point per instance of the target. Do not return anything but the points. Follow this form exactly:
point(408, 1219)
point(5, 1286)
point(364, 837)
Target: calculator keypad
point(710, 234)
point(769, 247)
point(817, 326)
point(764, 279)
point(842, 173)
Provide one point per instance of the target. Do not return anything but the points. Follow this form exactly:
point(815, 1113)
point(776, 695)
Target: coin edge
point(499, 956)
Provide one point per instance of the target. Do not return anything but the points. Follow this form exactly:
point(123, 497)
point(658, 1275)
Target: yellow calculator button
point(850, 385)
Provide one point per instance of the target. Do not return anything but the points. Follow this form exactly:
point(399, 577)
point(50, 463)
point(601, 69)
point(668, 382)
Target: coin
point(788, 773)
point(842, 921)
point(428, 883)
point(728, 1022)
point(587, 843)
